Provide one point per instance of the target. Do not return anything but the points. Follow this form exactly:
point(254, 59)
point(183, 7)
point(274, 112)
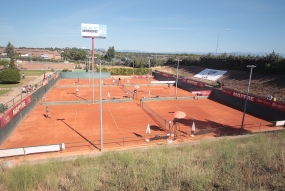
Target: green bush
point(10, 76)
point(3, 107)
point(65, 70)
point(127, 71)
point(78, 66)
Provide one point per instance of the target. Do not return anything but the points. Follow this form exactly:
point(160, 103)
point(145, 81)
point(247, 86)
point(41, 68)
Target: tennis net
point(127, 91)
point(159, 119)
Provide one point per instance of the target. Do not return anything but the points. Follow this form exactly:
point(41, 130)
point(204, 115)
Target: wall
point(252, 108)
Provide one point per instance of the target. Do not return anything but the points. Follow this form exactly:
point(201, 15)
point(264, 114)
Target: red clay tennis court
point(78, 126)
point(65, 90)
point(210, 118)
point(124, 124)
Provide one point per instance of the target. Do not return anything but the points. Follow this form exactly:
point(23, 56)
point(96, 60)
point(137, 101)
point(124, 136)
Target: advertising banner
point(167, 75)
point(258, 100)
point(193, 82)
point(93, 31)
point(280, 123)
point(45, 82)
point(55, 76)
point(14, 111)
point(162, 82)
point(143, 76)
point(210, 74)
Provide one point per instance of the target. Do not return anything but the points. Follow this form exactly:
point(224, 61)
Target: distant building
point(44, 56)
point(36, 53)
point(3, 54)
point(24, 55)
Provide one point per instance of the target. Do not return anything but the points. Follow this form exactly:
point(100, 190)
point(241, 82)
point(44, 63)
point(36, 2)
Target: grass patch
point(249, 163)
point(3, 92)
point(30, 75)
point(33, 72)
point(25, 81)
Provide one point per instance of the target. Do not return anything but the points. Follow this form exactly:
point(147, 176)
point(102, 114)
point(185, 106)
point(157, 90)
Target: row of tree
point(74, 54)
point(269, 64)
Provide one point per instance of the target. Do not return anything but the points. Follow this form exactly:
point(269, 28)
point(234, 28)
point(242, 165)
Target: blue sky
point(148, 25)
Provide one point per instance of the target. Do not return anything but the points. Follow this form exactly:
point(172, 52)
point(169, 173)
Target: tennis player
point(47, 112)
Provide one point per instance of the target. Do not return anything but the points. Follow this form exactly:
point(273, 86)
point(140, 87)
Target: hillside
point(261, 85)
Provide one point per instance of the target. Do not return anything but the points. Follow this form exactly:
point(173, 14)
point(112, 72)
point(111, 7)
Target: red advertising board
point(143, 76)
point(185, 80)
point(193, 82)
point(45, 82)
point(55, 76)
point(258, 100)
point(14, 111)
point(167, 75)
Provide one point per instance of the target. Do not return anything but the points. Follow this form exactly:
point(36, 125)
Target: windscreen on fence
point(24, 106)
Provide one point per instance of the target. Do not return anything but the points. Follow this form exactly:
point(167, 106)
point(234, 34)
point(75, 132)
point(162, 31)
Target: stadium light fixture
point(148, 70)
point(218, 40)
point(133, 59)
point(245, 104)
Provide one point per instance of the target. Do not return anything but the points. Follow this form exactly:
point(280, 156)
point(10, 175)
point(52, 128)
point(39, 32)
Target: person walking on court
point(168, 85)
point(135, 93)
point(78, 80)
point(47, 112)
point(76, 91)
point(119, 81)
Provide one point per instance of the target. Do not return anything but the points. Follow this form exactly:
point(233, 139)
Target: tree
point(74, 54)
point(4, 63)
point(110, 53)
point(10, 50)
point(11, 54)
point(10, 76)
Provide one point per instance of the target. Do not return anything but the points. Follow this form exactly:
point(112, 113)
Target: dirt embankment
point(46, 65)
point(261, 85)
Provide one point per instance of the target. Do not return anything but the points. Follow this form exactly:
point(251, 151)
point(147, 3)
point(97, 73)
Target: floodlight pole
point(133, 68)
point(92, 70)
point(176, 79)
point(148, 70)
point(100, 90)
point(245, 104)
point(218, 40)
point(89, 68)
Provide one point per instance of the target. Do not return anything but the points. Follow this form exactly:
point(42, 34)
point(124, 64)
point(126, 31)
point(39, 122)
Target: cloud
point(6, 27)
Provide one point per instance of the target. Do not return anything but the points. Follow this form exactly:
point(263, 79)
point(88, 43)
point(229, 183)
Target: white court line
point(113, 119)
point(75, 121)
